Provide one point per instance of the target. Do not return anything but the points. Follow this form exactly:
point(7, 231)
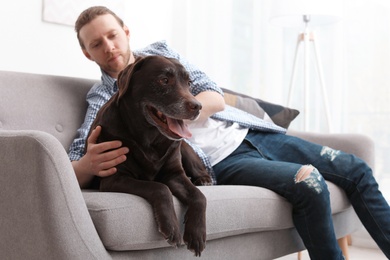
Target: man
point(104, 38)
point(241, 149)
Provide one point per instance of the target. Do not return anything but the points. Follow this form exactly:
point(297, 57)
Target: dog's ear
point(125, 76)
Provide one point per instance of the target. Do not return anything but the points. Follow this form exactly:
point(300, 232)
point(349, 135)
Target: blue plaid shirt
point(101, 92)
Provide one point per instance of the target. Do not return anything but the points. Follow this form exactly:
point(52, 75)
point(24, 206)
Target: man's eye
point(95, 45)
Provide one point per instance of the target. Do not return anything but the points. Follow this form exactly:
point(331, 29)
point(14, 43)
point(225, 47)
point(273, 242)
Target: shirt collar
point(109, 81)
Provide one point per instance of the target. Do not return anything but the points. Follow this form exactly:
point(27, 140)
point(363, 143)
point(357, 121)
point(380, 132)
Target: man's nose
point(108, 46)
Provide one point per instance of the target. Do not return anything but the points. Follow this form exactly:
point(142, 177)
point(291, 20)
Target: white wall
point(200, 30)
point(29, 44)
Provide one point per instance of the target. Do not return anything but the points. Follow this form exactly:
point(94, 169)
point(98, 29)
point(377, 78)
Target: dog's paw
point(196, 242)
point(203, 181)
point(172, 236)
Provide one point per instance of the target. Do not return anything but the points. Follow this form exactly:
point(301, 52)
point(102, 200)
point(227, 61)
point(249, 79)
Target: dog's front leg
point(157, 194)
point(195, 217)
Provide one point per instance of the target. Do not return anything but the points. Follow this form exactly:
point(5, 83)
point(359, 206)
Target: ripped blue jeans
point(296, 169)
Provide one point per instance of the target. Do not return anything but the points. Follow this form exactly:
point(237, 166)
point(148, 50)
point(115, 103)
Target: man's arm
point(212, 102)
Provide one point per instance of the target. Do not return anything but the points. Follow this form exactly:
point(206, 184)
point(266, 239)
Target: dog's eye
point(164, 81)
point(190, 83)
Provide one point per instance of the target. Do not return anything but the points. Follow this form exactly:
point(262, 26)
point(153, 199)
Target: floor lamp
point(307, 13)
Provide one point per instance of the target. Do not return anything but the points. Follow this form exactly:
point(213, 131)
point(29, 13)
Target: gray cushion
point(118, 217)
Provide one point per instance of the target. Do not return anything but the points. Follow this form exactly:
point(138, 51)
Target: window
point(233, 41)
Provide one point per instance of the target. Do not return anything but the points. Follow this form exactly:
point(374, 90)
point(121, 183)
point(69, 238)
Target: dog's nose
point(194, 106)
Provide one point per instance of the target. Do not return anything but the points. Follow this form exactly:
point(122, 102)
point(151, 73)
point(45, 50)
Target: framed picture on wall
point(66, 12)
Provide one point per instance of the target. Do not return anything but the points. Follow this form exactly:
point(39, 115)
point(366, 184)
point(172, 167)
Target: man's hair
point(88, 15)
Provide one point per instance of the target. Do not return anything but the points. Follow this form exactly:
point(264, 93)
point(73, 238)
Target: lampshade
point(289, 13)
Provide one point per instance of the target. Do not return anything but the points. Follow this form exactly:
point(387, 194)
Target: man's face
point(106, 43)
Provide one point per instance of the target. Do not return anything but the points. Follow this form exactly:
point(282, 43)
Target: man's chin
point(113, 70)
point(119, 66)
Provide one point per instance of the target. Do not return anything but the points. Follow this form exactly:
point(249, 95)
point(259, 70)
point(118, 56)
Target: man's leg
point(302, 185)
point(345, 170)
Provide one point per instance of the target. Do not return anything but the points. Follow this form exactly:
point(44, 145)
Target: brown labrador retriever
point(147, 115)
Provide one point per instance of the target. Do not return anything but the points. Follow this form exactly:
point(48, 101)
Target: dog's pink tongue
point(179, 127)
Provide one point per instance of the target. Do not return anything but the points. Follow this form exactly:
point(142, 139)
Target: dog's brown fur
point(151, 91)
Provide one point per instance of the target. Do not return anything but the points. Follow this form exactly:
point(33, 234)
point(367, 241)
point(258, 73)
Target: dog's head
point(160, 88)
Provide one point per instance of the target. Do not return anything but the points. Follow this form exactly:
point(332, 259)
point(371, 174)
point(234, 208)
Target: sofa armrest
point(360, 145)
point(42, 211)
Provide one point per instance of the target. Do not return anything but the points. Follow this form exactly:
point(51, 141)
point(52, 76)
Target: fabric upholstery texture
point(41, 211)
point(108, 209)
point(45, 215)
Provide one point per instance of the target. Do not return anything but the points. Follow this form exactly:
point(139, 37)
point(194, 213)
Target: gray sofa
point(45, 215)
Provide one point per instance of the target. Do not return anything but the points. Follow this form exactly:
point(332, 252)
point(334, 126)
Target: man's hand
point(100, 159)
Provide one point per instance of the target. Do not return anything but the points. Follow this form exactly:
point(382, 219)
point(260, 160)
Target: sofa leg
point(344, 242)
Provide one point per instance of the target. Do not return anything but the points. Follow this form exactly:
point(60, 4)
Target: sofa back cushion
point(53, 104)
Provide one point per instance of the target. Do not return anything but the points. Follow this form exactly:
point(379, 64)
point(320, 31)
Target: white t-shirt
point(216, 138)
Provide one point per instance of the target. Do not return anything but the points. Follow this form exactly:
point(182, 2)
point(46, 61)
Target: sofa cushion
point(280, 115)
point(125, 222)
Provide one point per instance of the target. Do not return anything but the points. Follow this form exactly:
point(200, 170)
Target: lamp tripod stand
point(306, 38)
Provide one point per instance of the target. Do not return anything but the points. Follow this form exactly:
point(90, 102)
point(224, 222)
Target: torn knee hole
point(304, 172)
